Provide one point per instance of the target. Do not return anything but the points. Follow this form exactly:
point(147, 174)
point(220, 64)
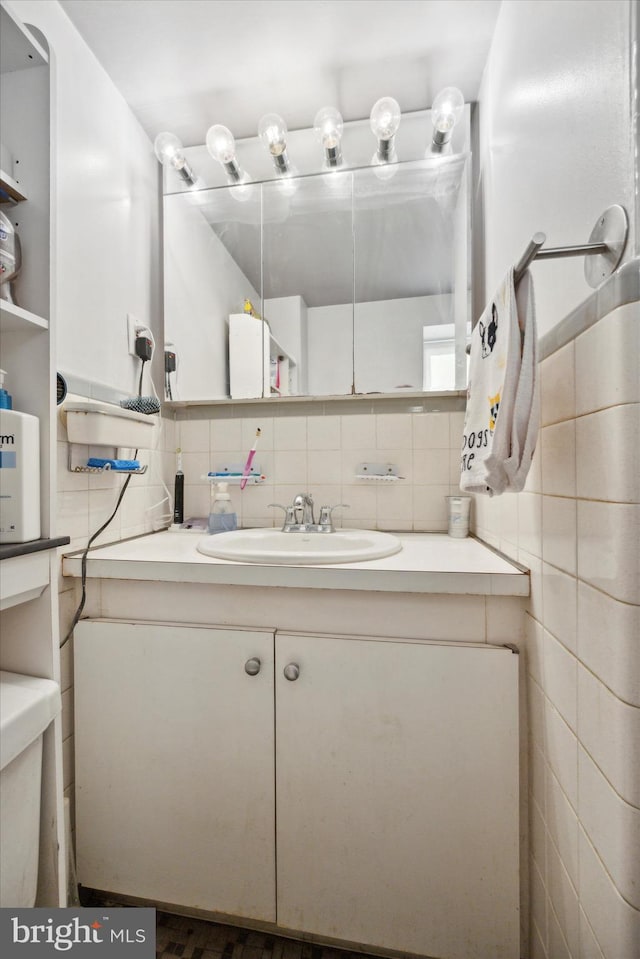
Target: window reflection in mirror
point(408, 247)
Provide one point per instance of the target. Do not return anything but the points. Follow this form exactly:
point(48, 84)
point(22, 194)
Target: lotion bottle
point(19, 472)
point(222, 518)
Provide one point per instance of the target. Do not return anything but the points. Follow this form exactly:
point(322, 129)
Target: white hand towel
point(501, 423)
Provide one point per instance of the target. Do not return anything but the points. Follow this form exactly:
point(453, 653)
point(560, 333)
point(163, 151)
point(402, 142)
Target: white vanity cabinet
point(394, 819)
point(175, 765)
point(397, 794)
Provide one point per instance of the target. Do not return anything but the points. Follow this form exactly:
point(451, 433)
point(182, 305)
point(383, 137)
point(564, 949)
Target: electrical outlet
point(134, 327)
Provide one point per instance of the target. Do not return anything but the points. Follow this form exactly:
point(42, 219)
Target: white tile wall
point(608, 643)
point(583, 644)
point(607, 728)
point(607, 464)
point(321, 453)
point(608, 536)
point(562, 825)
point(613, 826)
point(615, 923)
point(84, 503)
point(612, 345)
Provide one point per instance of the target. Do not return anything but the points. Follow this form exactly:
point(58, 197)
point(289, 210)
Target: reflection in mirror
point(204, 283)
point(308, 279)
point(357, 281)
point(410, 276)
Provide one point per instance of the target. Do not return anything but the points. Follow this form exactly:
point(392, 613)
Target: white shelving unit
point(258, 364)
point(29, 629)
point(13, 319)
point(10, 191)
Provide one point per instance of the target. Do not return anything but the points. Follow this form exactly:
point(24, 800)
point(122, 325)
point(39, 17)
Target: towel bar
point(602, 253)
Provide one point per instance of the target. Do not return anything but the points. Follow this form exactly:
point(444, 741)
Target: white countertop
point(427, 563)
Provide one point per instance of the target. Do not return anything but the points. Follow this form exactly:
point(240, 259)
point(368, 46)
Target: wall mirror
point(360, 280)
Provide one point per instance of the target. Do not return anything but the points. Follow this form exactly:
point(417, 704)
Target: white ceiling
point(183, 65)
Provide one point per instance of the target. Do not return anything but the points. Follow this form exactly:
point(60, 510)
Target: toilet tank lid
point(27, 706)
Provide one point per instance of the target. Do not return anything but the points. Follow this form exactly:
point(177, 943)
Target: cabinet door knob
point(291, 672)
point(252, 666)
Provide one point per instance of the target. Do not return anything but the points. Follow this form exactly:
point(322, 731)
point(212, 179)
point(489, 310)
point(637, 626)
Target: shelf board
point(10, 191)
point(14, 319)
point(19, 49)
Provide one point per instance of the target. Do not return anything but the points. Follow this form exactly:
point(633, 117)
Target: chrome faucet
point(303, 509)
point(299, 517)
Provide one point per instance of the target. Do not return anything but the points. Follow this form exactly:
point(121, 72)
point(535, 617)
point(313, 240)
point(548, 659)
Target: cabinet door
point(174, 765)
point(397, 786)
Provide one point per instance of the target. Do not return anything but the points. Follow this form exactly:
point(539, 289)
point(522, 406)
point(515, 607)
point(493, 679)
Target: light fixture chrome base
point(281, 163)
point(386, 150)
point(440, 141)
point(233, 171)
point(186, 173)
point(612, 228)
point(333, 156)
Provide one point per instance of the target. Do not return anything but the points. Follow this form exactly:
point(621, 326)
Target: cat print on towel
point(489, 333)
point(494, 406)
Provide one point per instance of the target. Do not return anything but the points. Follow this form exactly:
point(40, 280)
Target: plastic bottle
point(19, 472)
point(222, 518)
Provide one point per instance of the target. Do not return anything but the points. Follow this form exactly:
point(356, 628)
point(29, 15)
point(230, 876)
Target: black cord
point(78, 612)
point(140, 380)
point(94, 536)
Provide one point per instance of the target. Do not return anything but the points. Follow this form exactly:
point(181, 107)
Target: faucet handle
point(289, 517)
point(326, 513)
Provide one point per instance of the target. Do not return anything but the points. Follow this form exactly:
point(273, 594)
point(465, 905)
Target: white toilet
point(27, 706)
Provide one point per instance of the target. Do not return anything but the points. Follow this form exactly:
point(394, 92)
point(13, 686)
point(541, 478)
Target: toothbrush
point(178, 503)
point(247, 465)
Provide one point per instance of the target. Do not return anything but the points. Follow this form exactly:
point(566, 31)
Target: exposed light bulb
point(385, 120)
point(169, 151)
point(445, 112)
point(328, 125)
point(222, 147)
point(272, 130)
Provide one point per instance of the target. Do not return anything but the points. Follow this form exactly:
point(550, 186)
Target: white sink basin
point(272, 546)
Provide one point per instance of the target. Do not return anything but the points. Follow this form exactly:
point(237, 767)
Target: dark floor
point(199, 939)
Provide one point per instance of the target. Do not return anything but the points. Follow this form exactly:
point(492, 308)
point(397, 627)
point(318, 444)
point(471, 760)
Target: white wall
point(556, 148)
point(382, 340)
point(206, 285)
point(555, 138)
point(388, 340)
point(105, 182)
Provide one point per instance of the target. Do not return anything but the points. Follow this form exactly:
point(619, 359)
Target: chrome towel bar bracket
point(602, 253)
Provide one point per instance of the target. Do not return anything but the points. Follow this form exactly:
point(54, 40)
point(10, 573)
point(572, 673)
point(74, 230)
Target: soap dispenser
point(222, 517)
point(19, 472)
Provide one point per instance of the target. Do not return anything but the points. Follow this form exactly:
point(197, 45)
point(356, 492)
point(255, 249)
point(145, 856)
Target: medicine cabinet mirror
point(359, 279)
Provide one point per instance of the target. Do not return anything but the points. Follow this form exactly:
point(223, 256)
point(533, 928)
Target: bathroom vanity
point(330, 752)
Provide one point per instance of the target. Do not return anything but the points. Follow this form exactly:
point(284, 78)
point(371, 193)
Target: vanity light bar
point(328, 125)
